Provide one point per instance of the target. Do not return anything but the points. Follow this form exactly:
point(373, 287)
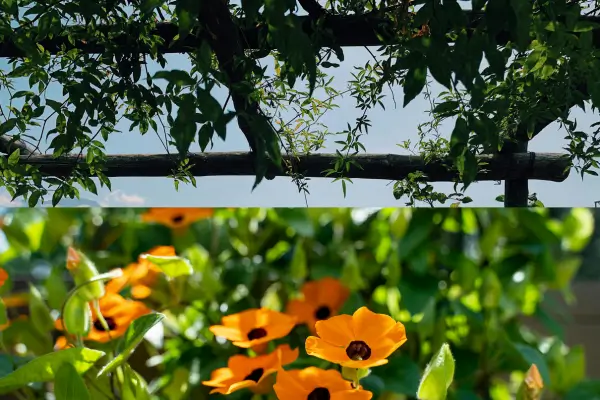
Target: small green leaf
point(414, 83)
point(438, 375)
point(133, 336)
point(13, 159)
point(44, 368)
point(585, 26)
point(39, 311)
point(209, 106)
point(3, 315)
point(176, 77)
point(134, 385)
point(69, 385)
point(172, 266)
point(298, 267)
point(533, 356)
point(446, 107)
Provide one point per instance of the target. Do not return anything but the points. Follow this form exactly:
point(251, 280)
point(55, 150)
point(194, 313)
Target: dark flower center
point(177, 219)
point(112, 325)
point(358, 351)
point(256, 333)
point(319, 394)
point(255, 375)
point(323, 313)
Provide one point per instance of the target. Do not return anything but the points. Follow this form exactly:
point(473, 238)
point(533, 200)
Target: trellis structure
point(515, 165)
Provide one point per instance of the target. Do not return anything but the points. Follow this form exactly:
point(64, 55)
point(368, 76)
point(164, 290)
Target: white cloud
point(119, 198)
point(5, 201)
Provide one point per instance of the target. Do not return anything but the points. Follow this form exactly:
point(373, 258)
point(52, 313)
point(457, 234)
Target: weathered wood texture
point(542, 166)
point(344, 31)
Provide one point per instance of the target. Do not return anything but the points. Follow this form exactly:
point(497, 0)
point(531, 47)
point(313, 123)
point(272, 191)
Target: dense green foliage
point(509, 68)
point(465, 277)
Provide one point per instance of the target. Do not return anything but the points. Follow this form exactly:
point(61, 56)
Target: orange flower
point(118, 312)
point(254, 327)
point(250, 372)
point(141, 275)
point(321, 299)
point(15, 300)
point(362, 340)
point(176, 217)
point(3, 276)
point(316, 384)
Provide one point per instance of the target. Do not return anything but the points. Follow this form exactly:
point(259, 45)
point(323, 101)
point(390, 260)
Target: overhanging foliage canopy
point(509, 67)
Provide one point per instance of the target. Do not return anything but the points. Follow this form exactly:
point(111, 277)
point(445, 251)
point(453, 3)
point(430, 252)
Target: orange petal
point(303, 311)
point(320, 348)
point(332, 293)
point(288, 387)
point(234, 387)
point(117, 284)
point(218, 376)
point(371, 327)
point(140, 292)
point(61, 343)
point(352, 395)
point(228, 333)
point(336, 330)
point(287, 355)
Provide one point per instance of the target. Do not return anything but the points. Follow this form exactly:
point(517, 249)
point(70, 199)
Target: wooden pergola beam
point(344, 31)
point(541, 166)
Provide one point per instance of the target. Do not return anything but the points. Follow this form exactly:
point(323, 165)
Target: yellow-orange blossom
point(362, 340)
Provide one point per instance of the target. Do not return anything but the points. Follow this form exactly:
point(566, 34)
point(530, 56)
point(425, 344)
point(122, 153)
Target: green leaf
point(298, 267)
point(438, 376)
point(523, 11)
point(401, 375)
point(39, 311)
point(585, 26)
point(44, 368)
point(533, 356)
point(497, 13)
point(588, 390)
point(176, 77)
point(3, 315)
point(14, 157)
point(414, 83)
point(208, 105)
point(446, 107)
point(69, 385)
point(459, 138)
point(578, 228)
point(172, 266)
point(134, 386)
point(133, 336)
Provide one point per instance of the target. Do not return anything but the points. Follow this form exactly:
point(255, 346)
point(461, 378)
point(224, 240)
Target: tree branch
point(313, 8)
point(225, 40)
point(544, 166)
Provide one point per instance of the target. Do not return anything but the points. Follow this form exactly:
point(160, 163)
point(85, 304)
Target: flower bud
point(77, 316)
point(532, 386)
point(83, 270)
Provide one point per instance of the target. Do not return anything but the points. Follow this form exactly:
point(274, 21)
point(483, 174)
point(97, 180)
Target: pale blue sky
point(389, 127)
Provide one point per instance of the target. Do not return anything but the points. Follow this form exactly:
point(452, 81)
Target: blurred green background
point(500, 285)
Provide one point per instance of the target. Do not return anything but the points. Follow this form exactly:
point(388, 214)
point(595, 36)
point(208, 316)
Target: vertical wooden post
point(516, 191)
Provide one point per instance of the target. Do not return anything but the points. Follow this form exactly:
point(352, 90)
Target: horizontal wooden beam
point(539, 166)
point(345, 31)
